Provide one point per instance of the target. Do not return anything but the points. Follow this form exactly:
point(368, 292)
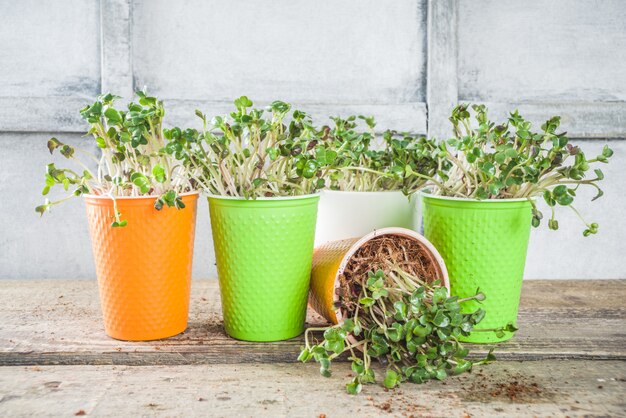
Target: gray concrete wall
point(405, 62)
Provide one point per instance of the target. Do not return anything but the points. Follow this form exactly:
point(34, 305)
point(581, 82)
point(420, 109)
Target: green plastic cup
point(483, 243)
point(264, 250)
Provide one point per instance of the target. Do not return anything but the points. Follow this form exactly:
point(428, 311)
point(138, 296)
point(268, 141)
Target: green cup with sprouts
point(261, 173)
point(484, 200)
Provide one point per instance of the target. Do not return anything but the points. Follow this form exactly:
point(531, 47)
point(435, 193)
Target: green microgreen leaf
point(391, 379)
point(159, 173)
point(413, 330)
point(135, 156)
point(488, 160)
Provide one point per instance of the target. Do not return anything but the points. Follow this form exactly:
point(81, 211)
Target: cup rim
point(274, 198)
point(154, 196)
point(397, 191)
point(469, 199)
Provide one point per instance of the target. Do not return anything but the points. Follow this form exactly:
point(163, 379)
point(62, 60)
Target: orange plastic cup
point(143, 268)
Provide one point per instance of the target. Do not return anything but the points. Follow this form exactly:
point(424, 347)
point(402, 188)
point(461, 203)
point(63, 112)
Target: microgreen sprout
point(132, 161)
point(410, 326)
point(509, 160)
point(253, 152)
point(359, 161)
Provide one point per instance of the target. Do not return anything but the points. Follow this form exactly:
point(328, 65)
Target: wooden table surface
point(568, 359)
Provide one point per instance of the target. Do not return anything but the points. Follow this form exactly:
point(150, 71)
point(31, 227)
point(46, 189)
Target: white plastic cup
point(343, 215)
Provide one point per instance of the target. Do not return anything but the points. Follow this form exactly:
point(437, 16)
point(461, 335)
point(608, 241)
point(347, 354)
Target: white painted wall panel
point(542, 51)
point(329, 51)
point(566, 253)
point(49, 48)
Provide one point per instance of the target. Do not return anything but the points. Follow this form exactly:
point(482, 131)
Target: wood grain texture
point(542, 388)
point(42, 114)
point(58, 322)
point(49, 49)
point(442, 80)
point(536, 52)
point(595, 120)
point(348, 51)
point(116, 65)
point(404, 117)
point(396, 62)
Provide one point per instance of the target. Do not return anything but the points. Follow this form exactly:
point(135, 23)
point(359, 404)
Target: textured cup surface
point(144, 268)
point(483, 244)
point(264, 250)
point(327, 260)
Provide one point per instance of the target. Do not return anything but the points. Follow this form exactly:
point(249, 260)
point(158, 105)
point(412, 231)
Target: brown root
point(383, 253)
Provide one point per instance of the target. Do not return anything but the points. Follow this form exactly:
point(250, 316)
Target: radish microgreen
point(132, 161)
point(252, 152)
point(408, 325)
point(359, 161)
point(485, 160)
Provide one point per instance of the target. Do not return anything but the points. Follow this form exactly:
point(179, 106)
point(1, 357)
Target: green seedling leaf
point(401, 310)
point(141, 181)
point(53, 144)
point(305, 355)
point(67, 151)
point(348, 325)
point(159, 173)
point(441, 320)
point(607, 152)
point(358, 366)
point(113, 116)
point(119, 224)
point(41, 209)
point(395, 332)
point(354, 387)
point(242, 103)
point(391, 379)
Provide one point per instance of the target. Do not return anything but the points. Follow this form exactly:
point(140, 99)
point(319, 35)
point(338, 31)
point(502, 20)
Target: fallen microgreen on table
point(408, 325)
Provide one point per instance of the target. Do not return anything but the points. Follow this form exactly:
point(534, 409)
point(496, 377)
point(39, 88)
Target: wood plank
point(49, 49)
point(58, 322)
point(442, 79)
point(576, 58)
point(116, 66)
point(581, 120)
point(404, 117)
point(356, 51)
point(42, 114)
point(61, 114)
point(573, 388)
